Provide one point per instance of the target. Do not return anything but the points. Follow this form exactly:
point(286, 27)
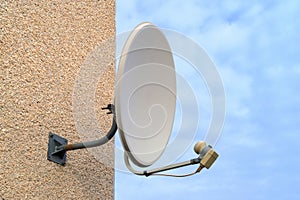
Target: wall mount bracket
point(54, 155)
point(58, 146)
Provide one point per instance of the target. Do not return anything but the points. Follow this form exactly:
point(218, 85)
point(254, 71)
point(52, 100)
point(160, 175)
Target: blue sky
point(255, 46)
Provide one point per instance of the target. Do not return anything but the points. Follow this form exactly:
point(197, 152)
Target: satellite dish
point(144, 110)
point(145, 94)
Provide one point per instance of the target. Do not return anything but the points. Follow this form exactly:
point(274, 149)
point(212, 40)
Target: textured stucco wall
point(43, 45)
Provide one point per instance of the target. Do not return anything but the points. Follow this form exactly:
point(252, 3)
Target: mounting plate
point(58, 157)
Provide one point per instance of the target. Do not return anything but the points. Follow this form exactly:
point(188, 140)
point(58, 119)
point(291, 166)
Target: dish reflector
point(145, 94)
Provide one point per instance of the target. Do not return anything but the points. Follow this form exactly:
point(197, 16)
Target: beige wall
point(42, 46)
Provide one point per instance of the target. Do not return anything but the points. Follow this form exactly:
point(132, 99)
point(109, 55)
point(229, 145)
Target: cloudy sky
point(255, 46)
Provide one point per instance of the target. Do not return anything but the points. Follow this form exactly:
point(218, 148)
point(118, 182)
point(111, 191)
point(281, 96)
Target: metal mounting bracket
point(55, 155)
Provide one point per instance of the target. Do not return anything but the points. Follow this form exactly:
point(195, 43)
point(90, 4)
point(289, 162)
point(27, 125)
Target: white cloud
point(239, 88)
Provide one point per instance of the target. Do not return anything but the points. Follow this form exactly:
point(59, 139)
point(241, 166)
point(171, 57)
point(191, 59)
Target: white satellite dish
point(144, 110)
point(145, 94)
